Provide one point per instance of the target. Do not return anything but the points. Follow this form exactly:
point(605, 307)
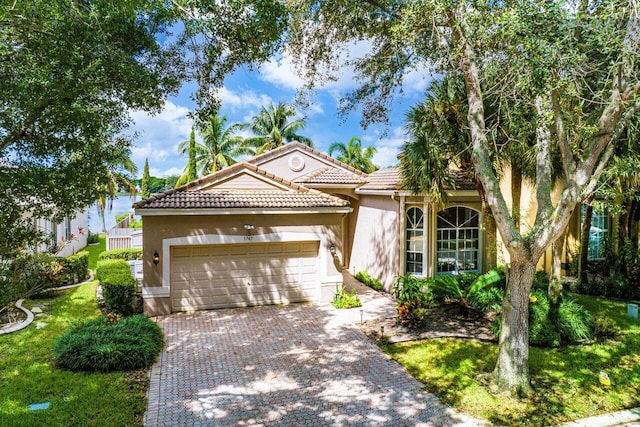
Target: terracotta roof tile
point(390, 179)
point(331, 176)
point(237, 199)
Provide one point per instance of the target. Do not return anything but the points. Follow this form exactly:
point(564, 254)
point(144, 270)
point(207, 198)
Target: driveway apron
point(297, 365)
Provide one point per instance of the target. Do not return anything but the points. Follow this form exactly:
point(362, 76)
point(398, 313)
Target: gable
point(244, 180)
point(294, 160)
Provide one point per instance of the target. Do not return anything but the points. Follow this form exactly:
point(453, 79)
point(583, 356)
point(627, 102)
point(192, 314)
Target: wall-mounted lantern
point(332, 249)
point(156, 258)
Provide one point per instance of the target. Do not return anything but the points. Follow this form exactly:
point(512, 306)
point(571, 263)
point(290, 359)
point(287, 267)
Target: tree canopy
point(572, 64)
point(69, 74)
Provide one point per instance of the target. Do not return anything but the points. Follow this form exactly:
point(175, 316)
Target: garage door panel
point(239, 275)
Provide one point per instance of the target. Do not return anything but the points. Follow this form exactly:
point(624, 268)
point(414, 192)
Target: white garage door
point(218, 276)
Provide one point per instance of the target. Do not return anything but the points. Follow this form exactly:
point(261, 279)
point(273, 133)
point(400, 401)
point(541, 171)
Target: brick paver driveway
point(298, 365)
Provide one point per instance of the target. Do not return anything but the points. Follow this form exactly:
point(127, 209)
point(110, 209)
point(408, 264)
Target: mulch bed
point(445, 321)
point(11, 317)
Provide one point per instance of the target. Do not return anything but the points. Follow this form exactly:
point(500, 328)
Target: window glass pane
point(458, 240)
point(414, 240)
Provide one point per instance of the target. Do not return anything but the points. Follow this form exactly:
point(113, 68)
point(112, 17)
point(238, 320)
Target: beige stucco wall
point(279, 166)
point(376, 238)
point(158, 228)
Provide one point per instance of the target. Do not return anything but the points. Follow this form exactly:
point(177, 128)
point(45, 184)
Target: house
point(68, 236)
point(282, 226)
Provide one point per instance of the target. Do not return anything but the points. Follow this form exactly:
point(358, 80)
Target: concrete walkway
point(297, 365)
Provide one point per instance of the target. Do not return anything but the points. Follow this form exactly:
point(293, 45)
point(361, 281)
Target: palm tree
point(272, 128)
point(219, 147)
point(354, 155)
point(120, 168)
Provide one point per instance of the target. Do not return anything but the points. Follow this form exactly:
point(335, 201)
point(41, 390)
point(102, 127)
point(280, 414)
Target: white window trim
point(480, 240)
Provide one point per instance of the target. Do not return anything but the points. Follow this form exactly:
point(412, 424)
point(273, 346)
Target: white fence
point(124, 238)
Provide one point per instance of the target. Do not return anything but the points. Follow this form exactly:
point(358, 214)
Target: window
point(458, 240)
point(415, 241)
point(67, 228)
point(597, 234)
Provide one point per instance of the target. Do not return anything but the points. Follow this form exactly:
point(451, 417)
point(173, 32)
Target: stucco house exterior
point(68, 236)
point(281, 227)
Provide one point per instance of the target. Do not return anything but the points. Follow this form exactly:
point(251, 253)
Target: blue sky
point(246, 91)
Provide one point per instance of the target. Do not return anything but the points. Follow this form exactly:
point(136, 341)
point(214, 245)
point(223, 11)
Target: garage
point(245, 274)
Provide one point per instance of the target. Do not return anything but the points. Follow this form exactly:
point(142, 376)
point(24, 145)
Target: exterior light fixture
point(156, 258)
point(332, 249)
point(248, 227)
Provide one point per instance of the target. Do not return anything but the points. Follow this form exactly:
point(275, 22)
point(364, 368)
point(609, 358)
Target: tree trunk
point(490, 229)
point(516, 194)
point(555, 286)
point(584, 243)
point(511, 373)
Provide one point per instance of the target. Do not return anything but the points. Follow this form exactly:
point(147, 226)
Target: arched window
point(415, 239)
point(458, 240)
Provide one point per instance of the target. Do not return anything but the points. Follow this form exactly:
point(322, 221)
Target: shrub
point(604, 328)
point(413, 296)
point(409, 288)
point(92, 238)
point(75, 268)
point(344, 299)
point(489, 299)
point(550, 326)
point(540, 281)
point(107, 268)
point(119, 287)
point(130, 254)
point(411, 315)
point(575, 323)
point(447, 286)
point(98, 345)
point(363, 276)
point(466, 280)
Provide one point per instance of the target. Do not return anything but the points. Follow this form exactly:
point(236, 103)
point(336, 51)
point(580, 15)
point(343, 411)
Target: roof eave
point(241, 211)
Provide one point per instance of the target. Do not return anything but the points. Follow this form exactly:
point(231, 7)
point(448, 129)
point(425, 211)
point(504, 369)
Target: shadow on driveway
point(297, 365)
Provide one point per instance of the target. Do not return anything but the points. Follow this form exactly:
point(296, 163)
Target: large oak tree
point(573, 63)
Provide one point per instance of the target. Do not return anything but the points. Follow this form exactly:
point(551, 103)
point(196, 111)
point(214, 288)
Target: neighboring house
point(67, 237)
point(263, 232)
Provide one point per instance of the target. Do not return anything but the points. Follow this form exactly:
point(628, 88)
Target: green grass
point(96, 250)
point(27, 373)
point(565, 380)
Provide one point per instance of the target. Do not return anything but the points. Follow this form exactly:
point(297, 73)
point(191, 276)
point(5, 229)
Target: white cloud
point(165, 173)
point(242, 100)
point(387, 148)
point(159, 135)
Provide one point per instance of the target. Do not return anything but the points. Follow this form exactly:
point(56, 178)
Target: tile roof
point(241, 199)
point(331, 175)
point(295, 144)
point(390, 179)
point(190, 196)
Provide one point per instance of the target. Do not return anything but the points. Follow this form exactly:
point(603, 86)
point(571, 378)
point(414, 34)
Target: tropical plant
point(372, 282)
point(219, 148)
point(448, 286)
point(413, 297)
point(120, 168)
point(354, 155)
point(273, 127)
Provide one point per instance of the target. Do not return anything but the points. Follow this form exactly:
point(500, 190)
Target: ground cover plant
point(345, 299)
point(565, 379)
point(109, 343)
point(372, 282)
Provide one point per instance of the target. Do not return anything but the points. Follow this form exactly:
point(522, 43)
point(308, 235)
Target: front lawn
point(565, 380)
point(27, 374)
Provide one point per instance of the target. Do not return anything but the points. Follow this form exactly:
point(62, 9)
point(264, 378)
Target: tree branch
point(568, 161)
point(543, 160)
point(475, 116)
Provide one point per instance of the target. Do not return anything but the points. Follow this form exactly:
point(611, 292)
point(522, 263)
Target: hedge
point(39, 272)
point(130, 254)
point(119, 287)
